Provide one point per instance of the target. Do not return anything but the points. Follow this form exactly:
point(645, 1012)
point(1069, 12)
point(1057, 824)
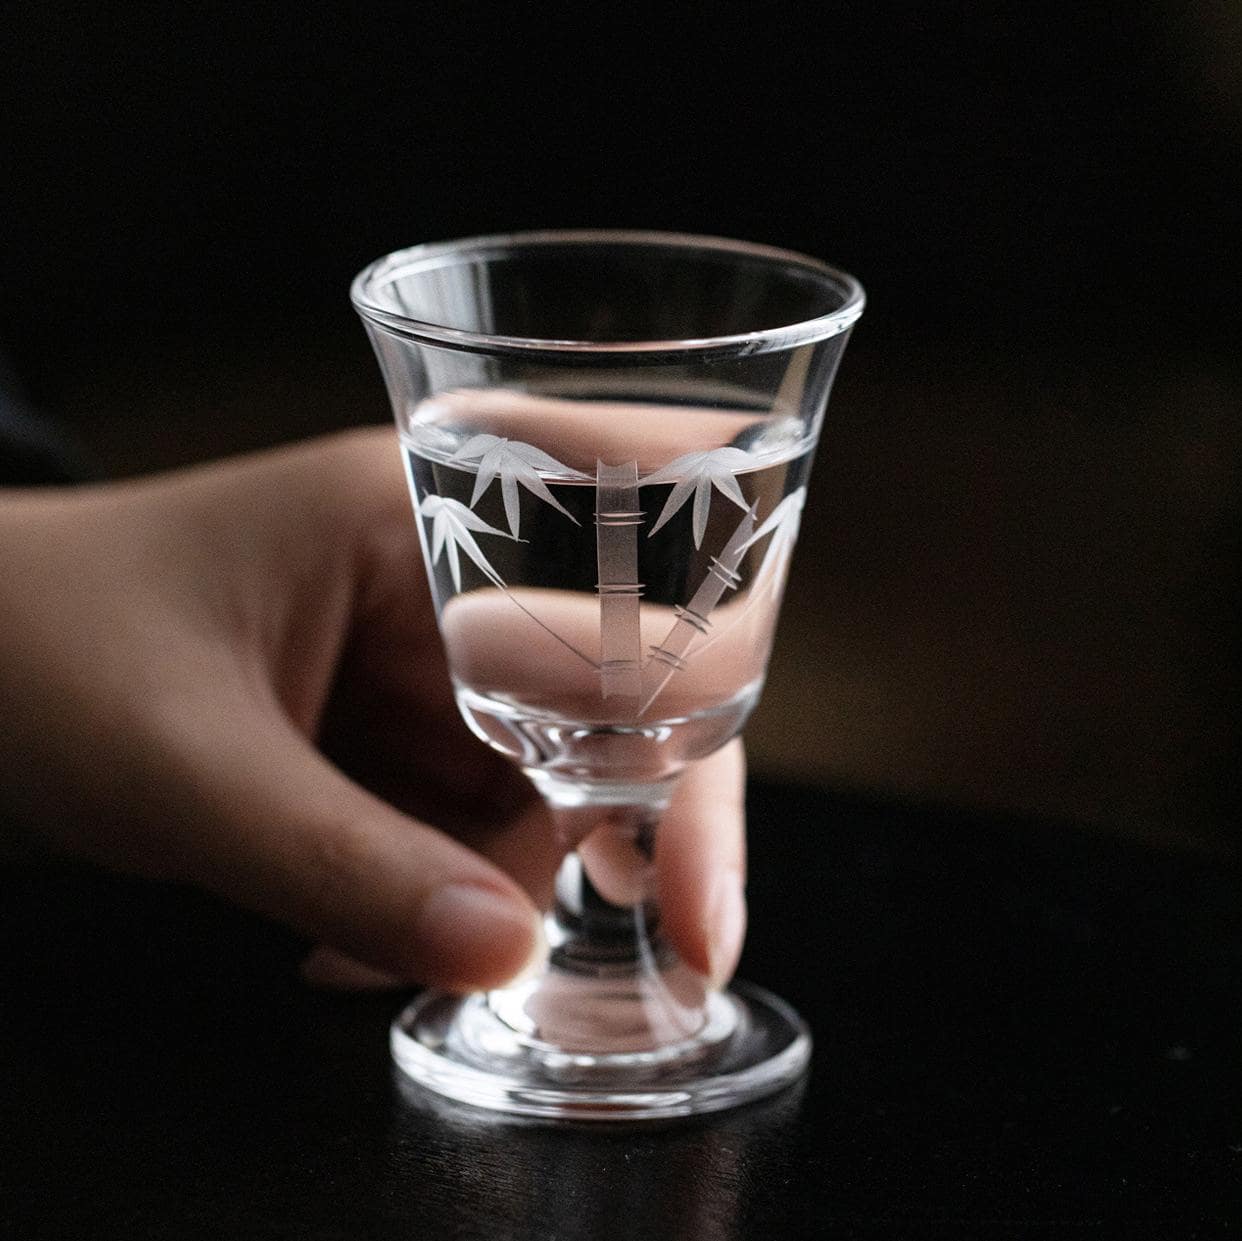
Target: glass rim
point(430, 255)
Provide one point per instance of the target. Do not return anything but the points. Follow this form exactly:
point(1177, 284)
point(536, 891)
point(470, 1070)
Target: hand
point(181, 654)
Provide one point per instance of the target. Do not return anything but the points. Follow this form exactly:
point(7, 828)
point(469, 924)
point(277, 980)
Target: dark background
point(1017, 585)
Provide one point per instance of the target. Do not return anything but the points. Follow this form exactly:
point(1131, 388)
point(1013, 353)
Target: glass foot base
point(751, 1045)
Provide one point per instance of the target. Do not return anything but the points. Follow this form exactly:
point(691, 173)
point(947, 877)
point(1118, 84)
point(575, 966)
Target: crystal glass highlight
point(607, 437)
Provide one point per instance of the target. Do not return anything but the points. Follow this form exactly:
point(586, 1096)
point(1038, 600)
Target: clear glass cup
point(607, 437)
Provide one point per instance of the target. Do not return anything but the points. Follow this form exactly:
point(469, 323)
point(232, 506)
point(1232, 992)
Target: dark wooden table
point(1022, 1030)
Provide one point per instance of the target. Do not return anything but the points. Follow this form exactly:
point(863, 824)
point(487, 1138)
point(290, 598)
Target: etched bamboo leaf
point(700, 472)
point(451, 526)
point(513, 463)
point(617, 518)
point(694, 619)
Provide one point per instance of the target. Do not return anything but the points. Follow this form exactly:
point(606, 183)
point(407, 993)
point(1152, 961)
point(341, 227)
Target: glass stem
point(613, 983)
point(590, 931)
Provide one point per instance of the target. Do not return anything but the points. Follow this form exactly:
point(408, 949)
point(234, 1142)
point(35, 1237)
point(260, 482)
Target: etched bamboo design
point(451, 526)
point(618, 515)
point(514, 463)
point(629, 681)
point(698, 473)
point(694, 619)
point(452, 523)
point(782, 524)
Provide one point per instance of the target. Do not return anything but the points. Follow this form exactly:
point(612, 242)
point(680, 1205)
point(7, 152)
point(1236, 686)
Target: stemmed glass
point(607, 437)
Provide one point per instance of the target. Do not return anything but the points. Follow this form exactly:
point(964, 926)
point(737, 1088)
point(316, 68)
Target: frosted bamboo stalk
point(617, 518)
point(694, 619)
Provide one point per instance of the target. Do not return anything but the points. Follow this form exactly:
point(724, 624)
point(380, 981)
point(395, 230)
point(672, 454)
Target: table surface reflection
point(1022, 1030)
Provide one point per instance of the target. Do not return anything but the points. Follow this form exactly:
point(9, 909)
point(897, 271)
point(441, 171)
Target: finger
point(701, 864)
point(289, 835)
point(528, 850)
point(616, 864)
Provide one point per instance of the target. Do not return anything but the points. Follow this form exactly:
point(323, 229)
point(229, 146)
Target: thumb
point(284, 832)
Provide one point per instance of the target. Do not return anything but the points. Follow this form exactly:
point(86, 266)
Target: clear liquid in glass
point(594, 632)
